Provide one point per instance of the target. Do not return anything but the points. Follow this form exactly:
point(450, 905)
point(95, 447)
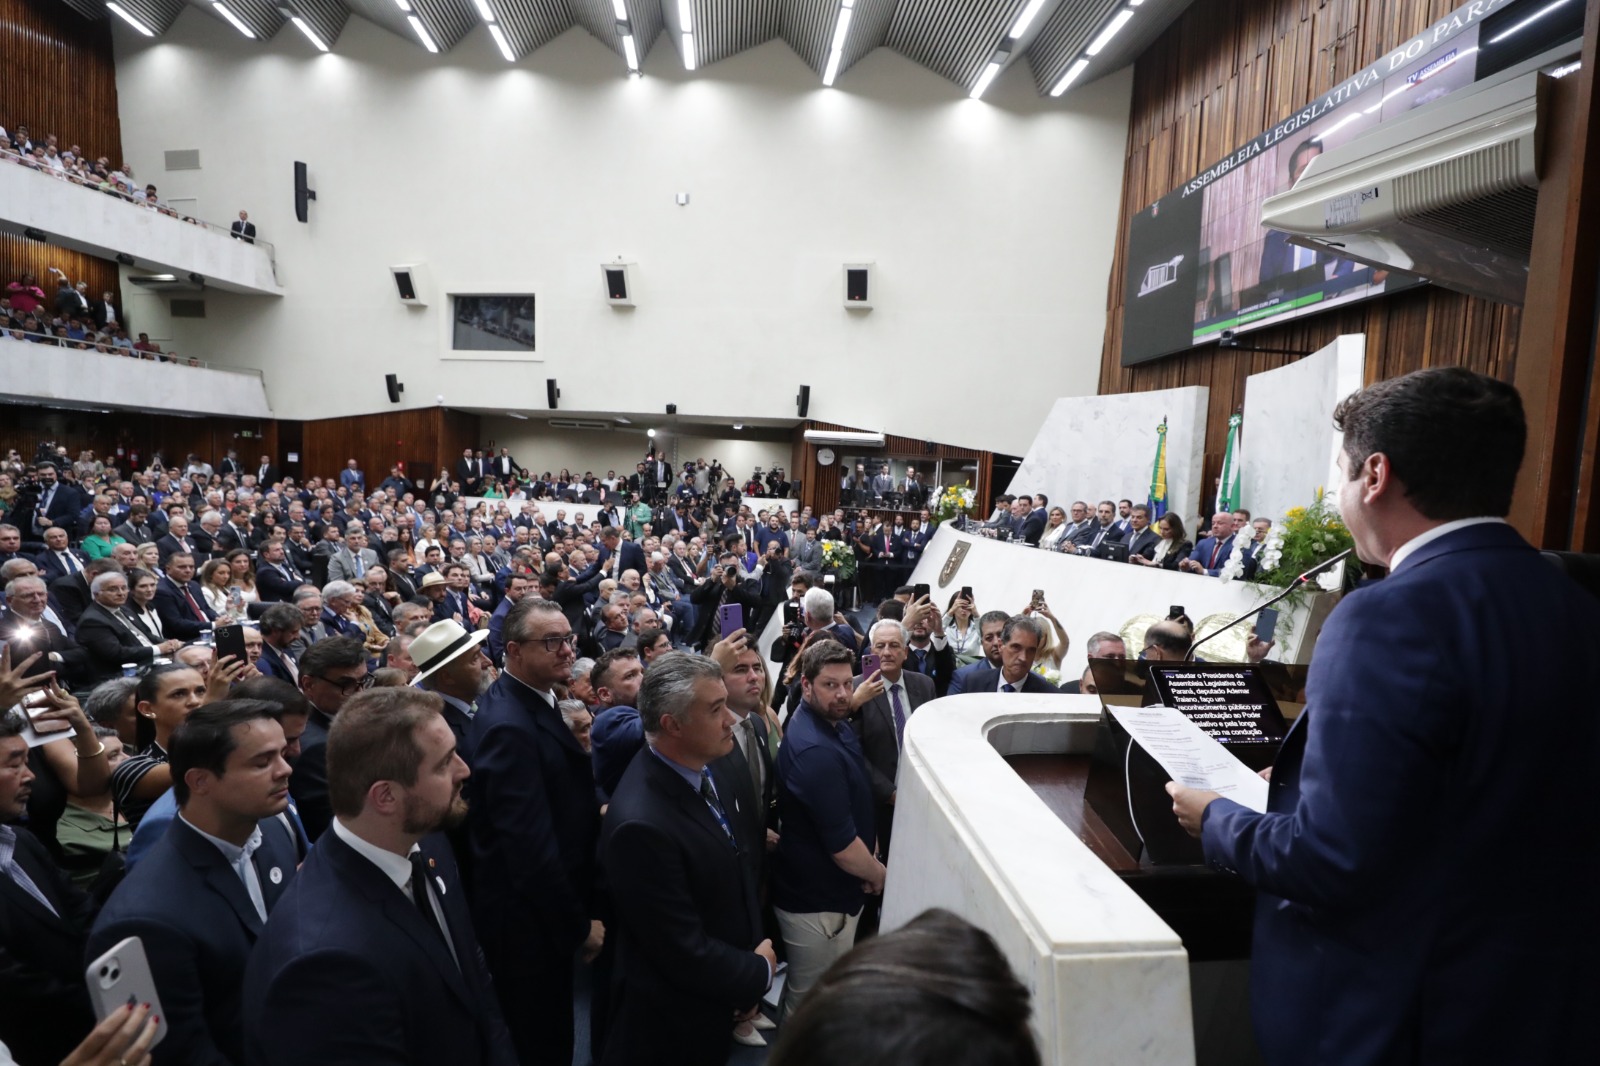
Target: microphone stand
point(1294, 586)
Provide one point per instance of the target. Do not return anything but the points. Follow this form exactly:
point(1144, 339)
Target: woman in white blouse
point(1055, 529)
point(224, 599)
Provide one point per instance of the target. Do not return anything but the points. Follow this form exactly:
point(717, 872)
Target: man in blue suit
point(280, 626)
point(199, 900)
point(370, 956)
point(1426, 866)
point(1211, 554)
point(632, 554)
point(534, 828)
point(1020, 642)
point(991, 624)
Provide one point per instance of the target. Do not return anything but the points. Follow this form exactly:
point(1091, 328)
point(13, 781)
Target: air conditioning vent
point(188, 308)
point(183, 159)
point(573, 423)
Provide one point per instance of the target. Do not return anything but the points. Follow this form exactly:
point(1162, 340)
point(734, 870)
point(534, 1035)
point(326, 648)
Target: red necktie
point(193, 606)
point(1215, 551)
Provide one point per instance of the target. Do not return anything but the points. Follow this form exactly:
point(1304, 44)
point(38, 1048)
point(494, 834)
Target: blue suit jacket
point(348, 972)
point(958, 683)
point(198, 925)
point(988, 680)
point(1202, 554)
point(1426, 869)
point(270, 663)
point(534, 827)
point(177, 620)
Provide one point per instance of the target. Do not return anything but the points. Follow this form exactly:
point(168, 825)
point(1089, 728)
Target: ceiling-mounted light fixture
point(309, 34)
point(841, 32)
point(222, 9)
point(422, 34)
point(122, 13)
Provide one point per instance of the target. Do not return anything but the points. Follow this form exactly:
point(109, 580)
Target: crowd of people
point(537, 733)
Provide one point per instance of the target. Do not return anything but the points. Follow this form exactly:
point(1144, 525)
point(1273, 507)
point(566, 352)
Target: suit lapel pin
point(275, 875)
point(432, 863)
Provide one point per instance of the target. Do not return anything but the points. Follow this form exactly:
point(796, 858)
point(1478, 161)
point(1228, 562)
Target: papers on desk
point(1193, 758)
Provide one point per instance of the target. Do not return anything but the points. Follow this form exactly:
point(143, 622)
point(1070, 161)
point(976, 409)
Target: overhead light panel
point(841, 33)
point(1119, 20)
point(518, 415)
point(686, 30)
point(501, 43)
point(222, 9)
point(1024, 20)
point(404, 6)
point(685, 16)
point(310, 35)
point(630, 51)
point(422, 34)
point(688, 51)
point(483, 10)
point(122, 13)
point(1070, 76)
point(618, 10)
point(1001, 55)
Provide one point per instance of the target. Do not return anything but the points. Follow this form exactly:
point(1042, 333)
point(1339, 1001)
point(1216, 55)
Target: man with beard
point(371, 947)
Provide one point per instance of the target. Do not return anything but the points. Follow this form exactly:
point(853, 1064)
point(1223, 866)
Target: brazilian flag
point(1158, 475)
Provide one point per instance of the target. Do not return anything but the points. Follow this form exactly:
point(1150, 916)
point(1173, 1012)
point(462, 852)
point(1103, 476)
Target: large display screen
point(1199, 261)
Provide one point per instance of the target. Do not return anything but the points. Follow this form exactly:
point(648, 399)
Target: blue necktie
point(899, 715)
point(1008, 687)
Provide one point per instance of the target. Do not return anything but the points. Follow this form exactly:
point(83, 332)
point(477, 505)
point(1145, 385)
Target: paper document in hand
point(1193, 758)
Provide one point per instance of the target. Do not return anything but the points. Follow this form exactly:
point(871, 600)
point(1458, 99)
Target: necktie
point(193, 606)
point(1008, 687)
point(708, 792)
point(1216, 550)
point(899, 714)
point(922, 660)
point(752, 754)
point(12, 869)
point(419, 896)
point(361, 567)
point(69, 563)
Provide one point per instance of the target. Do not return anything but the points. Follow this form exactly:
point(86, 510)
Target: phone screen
point(1038, 597)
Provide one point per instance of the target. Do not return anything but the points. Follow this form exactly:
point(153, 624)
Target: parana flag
point(1158, 475)
point(1232, 461)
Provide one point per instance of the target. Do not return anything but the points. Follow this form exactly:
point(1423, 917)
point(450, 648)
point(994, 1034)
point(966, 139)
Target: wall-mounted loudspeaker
point(303, 192)
point(672, 408)
point(551, 393)
point(619, 283)
point(803, 401)
point(858, 286)
point(396, 387)
point(411, 283)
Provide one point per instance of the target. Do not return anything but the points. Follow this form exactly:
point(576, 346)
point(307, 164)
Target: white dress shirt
point(396, 868)
point(1409, 547)
point(239, 858)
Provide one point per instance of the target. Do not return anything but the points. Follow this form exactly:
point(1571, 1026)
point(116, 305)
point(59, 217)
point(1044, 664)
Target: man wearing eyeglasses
point(533, 826)
point(331, 671)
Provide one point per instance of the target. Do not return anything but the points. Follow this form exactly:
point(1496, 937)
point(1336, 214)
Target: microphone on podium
point(1294, 585)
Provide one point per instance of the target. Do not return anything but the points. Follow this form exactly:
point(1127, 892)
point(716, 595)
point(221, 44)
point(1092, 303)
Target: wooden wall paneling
point(1225, 71)
point(23, 427)
point(57, 76)
point(422, 438)
point(1556, 504)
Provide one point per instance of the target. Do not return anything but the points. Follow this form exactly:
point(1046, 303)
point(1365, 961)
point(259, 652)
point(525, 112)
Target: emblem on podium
point(952, 563)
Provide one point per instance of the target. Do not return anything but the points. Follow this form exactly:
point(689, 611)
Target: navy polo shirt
point(825, 802)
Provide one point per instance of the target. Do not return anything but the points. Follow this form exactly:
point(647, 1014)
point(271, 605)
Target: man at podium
point(1427, 864)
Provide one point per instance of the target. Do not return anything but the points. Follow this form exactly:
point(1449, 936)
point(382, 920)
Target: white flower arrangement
point(1331, 580)
point(1271, 552)
point(1234, 567)
point(1052, 676)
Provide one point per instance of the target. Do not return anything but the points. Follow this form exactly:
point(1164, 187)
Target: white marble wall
point(64, 377)
point(1109, 978)
point(86, 221)
point(1290, 446)
point(1104, 447)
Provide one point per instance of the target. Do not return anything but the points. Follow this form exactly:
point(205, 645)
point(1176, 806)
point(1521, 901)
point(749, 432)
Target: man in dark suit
point(469, 471)
point(1211, 554)
point(199, 899)
point(503, 466)
point(177, 539)
point(1020, 642)
point(1141, 539)
point(1402, 794)
point(109, 636)
point(1033, 522)
point(137, 529)
point(243, 229)
point(57, 504)
point(59, 559)
point(70, 595)
point(179, 602)
point(235, 534)
point(746, 772)
point(1102, 530)
point(534, 826)
point(928, 650)
point(280, 626)
point(618, 555)
point(276, 577)
point(44, 920)
point(884, 704)
point(690, 950)
point(331, 671)
point(370, 955)
point(25, 629)
point(266, 474)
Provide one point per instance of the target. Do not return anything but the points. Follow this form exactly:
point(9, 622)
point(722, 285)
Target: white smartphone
point(122, 976)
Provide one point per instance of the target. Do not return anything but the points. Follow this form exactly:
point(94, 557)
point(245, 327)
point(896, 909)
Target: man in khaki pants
point(825, 866)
